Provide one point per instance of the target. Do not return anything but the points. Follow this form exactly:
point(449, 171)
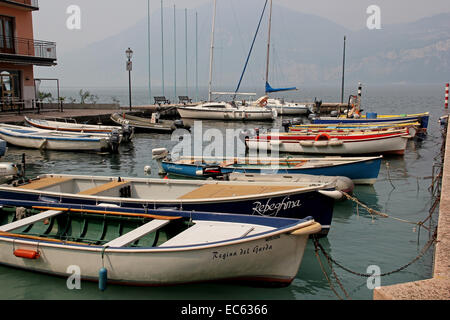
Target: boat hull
point(236, 115)
point(383, 145)
point(270, 257)
point(422, 118)
point(72, 144)
point(361, 172)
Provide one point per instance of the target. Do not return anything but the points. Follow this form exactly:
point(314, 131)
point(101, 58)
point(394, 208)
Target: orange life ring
point(322, 136)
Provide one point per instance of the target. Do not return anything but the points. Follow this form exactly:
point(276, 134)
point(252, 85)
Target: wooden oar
point(138, 215)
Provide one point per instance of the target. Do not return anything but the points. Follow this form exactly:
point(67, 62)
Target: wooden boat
point(226, 111)
point(362, 170)
point(324, 143)
point(413, 128)
point(141, 124)
point(160, 247)
point(291, 200)
point(35, 138)
point(422, 118)
point(125, 130)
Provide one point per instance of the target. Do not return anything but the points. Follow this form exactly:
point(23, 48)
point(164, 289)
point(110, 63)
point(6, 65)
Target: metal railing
point(31, 3)
point(18, 105)
point(28, 47)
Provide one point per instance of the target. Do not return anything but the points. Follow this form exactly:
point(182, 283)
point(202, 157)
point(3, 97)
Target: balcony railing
point(28, 47)
point(31, 3)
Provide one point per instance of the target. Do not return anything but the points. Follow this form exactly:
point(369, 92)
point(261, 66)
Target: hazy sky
point(103, 18)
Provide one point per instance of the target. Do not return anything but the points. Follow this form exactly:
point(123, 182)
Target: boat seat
point(222, 191)
point(207, 232)
point(44, 182)
point(137, 233)
point(30, 220)
point(102, 188)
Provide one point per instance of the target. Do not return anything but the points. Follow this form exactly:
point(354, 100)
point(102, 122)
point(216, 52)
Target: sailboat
point(224, 110)
point(282, 107)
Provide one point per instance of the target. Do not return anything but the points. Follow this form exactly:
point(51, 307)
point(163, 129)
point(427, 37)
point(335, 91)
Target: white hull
point(286, 110)
point(238, 114)
point(272, 256)
point(395, 145)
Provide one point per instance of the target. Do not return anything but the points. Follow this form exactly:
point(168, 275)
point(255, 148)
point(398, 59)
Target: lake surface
point(356, 240)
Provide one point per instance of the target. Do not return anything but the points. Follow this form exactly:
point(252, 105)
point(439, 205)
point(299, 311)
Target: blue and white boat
point(362, 170)
point(371, 118)
point(28, 137)
point(275, 199)
point(155, 247)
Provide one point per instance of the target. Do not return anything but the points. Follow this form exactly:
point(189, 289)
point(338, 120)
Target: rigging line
point(251, 49)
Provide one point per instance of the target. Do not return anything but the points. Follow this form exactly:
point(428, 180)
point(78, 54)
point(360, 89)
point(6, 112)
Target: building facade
point(19, 53)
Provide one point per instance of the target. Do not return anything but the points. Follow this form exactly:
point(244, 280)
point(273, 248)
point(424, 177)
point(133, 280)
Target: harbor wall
point(438, 287)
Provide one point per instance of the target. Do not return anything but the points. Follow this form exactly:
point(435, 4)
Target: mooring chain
point(375, 212)
point(418, 257)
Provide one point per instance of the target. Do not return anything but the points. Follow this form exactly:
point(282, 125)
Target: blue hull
point(298, 206)
point(422, 119)
point(359, 172)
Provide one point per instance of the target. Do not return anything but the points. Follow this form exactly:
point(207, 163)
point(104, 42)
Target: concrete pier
point(438, 287)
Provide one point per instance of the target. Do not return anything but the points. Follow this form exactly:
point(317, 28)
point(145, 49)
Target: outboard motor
point(334, 113)
point(297, 121)
point(159, 155)
point(127, 132)
point(312, 116)
point(178, 124)
point(114, 141)
point(286, 125)
point(210, 172)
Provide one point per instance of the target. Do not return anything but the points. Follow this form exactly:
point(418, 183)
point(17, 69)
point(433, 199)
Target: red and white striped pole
point(446, 96)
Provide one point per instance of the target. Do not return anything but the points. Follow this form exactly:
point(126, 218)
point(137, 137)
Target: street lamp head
point(129, 53)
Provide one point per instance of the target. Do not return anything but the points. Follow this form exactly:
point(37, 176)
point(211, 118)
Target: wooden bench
point(161, 100)
point(30, 220)
point(184, 99)
point(44, 182)
point(102, 187)
point(137, 233)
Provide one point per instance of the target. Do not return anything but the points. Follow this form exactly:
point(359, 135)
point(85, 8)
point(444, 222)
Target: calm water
point(356, 240)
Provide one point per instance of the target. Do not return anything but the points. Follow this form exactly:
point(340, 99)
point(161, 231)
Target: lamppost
point(129, 54)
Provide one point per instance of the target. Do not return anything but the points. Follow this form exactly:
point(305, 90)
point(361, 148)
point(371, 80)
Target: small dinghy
point(276, 199)
point(160, 247)
point(35, 138)
point(125, 130)
point(154, 124)
point(362, 170)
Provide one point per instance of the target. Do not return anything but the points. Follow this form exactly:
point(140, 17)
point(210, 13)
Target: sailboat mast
point(211, 54)
point(268, 44)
